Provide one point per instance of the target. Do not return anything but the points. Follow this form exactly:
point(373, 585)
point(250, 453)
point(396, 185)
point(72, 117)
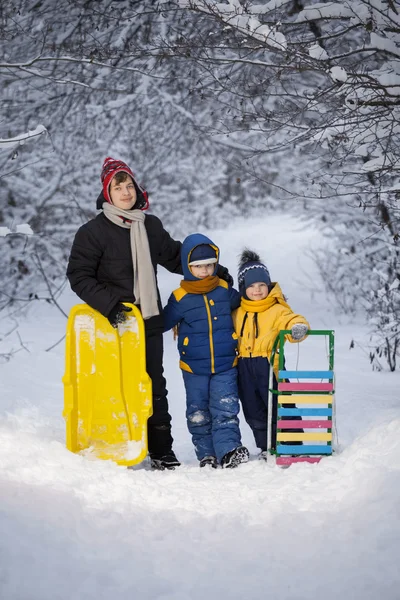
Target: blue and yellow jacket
point(207, 340)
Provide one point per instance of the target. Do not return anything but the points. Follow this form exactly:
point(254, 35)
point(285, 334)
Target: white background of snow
point(74, 528)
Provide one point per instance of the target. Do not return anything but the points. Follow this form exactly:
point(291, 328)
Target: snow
point(326, 10)
point(376, 164)
point(4, 231)
point(129, 450)
point(381, 43)
point(389, 78)
point(19, 140)
point(236, 17)
point(338, 74)
point(260, 9)
point(24, 228)
point(71, 527)
point(317, 52)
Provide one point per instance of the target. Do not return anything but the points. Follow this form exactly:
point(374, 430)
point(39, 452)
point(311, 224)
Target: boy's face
point(257, 291)
point(202, 271)
point(123, 195)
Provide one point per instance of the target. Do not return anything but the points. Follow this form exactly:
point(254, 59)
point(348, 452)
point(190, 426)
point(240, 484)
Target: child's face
point(123, 195)
point(202, 271)
point(257, 291)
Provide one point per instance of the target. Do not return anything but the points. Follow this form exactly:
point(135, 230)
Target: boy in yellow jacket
point(263, 312)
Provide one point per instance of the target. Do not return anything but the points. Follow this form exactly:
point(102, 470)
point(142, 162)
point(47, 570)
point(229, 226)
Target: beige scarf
point(144, 278)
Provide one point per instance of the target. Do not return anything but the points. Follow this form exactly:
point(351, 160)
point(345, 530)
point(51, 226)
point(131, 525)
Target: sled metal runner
point(107, 391)
point(310, 401)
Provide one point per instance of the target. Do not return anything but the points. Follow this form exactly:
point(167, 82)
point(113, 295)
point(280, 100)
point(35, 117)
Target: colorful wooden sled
point(312, 401)
point(107, 392)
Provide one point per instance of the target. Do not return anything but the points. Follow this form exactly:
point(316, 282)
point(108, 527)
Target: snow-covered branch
point(19, 140)
point(22, 229)
point(233, 15)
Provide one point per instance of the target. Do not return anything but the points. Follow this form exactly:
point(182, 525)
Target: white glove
point(299, 330)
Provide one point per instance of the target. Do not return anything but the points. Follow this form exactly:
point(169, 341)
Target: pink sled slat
point(305, 387)
point(288, 460)
point(320, 424)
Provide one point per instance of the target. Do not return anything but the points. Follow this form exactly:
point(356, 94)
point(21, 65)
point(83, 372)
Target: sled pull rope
point(298, 357)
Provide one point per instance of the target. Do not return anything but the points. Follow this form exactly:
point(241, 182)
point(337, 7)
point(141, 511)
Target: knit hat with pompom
point(251, 270)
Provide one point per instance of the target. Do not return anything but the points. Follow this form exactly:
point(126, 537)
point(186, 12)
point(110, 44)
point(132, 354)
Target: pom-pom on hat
point(111, 167)
point(203, 254)
point(251, 269)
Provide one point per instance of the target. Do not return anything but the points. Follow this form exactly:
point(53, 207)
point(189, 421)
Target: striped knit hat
point(111, 167)
point(251, 269)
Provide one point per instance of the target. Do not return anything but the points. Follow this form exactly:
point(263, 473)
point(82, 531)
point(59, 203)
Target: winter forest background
point(223, 109)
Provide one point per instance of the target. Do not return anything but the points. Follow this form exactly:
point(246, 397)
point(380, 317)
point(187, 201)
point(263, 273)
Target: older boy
point(114, 259)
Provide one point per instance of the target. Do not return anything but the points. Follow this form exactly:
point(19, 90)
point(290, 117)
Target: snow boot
point(209, 461)
point(167, 461)
point(263, 455)
point(235, 457)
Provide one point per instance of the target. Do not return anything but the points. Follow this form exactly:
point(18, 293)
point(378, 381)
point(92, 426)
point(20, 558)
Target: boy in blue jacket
point(202, 307)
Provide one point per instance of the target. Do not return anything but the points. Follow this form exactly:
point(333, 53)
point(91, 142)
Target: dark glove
point(117, 314)
point(223, 273)
point(299, 330)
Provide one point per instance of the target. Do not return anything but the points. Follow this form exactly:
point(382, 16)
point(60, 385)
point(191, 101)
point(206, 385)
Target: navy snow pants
point(253, 384)
point(253, 381)
point(212, 406)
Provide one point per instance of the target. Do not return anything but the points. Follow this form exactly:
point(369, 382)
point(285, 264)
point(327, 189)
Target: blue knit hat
point(202, 254)
point(251, 269)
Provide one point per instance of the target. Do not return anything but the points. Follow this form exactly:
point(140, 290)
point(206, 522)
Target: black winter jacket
point(100, 268)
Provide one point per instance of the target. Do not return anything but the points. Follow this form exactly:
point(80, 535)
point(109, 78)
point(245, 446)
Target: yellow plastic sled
point(107, 392)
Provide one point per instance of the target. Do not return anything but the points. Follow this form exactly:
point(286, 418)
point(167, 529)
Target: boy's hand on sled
point(117, 314)
point(299, 330)
point(223, 273)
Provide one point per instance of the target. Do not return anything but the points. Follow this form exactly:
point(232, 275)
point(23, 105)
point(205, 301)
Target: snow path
point(75, 528)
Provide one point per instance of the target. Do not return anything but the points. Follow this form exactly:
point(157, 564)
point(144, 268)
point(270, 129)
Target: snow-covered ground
point(74, 528)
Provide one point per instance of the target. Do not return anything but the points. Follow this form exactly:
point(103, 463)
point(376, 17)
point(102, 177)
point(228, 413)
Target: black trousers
point(159, 425)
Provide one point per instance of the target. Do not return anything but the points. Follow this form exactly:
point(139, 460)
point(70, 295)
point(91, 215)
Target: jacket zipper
point(210, 334)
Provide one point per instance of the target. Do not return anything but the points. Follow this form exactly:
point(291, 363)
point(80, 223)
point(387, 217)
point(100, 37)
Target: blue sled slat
point(304, 412)
point(305, 375)
point(283, 449)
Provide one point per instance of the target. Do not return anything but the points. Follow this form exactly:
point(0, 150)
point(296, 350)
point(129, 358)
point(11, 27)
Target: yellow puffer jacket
point(257, 323)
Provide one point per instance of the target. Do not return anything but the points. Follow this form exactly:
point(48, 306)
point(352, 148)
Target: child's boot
point(263, 455)
point(235, 457)
point(209, 461)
